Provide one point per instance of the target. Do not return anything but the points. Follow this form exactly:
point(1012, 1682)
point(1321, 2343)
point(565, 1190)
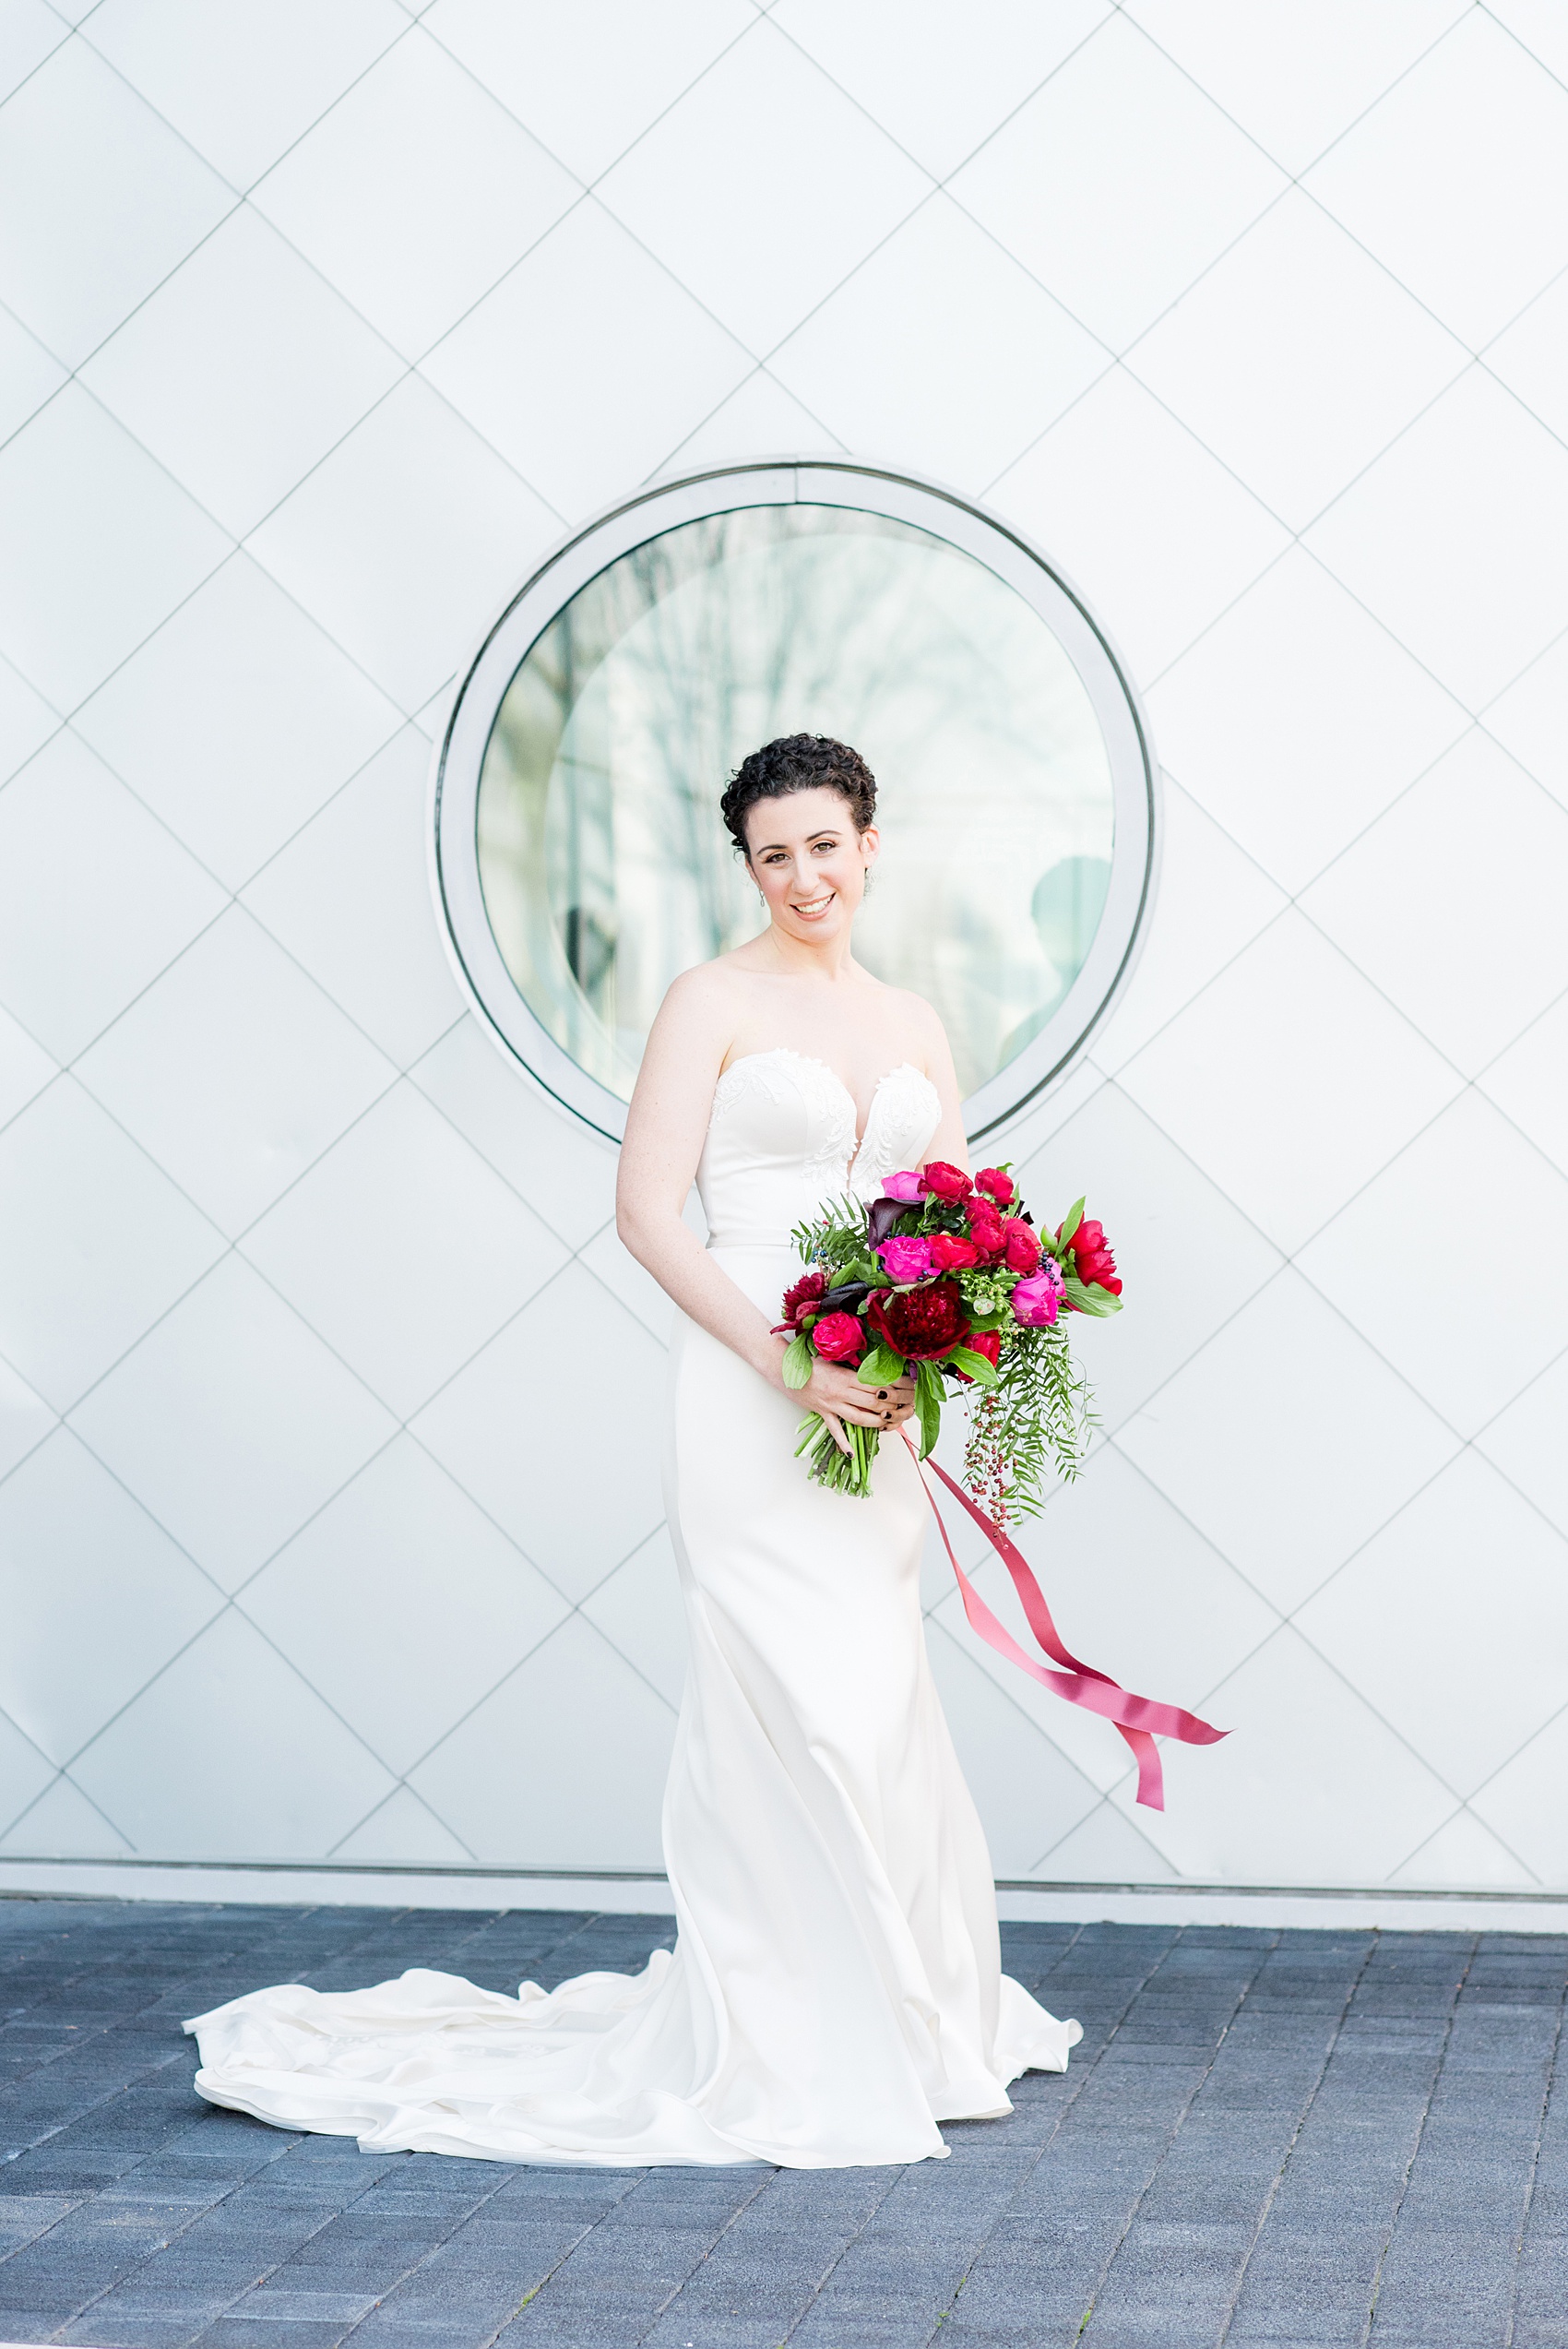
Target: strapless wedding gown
point(835, 1989)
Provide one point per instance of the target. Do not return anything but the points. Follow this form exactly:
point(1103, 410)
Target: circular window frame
point(453, 832)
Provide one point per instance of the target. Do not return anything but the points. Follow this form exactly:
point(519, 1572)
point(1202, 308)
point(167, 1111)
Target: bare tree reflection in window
point(604, 865)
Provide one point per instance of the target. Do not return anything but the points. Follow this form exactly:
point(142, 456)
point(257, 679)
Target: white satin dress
point(835, 1989)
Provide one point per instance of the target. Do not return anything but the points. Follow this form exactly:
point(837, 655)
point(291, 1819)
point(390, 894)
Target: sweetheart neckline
point(788, 1052)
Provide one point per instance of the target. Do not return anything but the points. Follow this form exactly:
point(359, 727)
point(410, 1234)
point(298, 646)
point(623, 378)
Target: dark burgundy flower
point(839, 1337)
point(801, 1300)
point(919, 1323)
point(1001, 1186)
point(985, 1341)
point(945, 1181)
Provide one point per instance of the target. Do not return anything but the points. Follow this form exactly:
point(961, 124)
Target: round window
point(581, 858)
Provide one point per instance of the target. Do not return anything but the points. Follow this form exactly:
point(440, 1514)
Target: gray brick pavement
point(1279, 2138)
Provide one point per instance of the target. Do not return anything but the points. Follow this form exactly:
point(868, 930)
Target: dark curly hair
point(798, 763)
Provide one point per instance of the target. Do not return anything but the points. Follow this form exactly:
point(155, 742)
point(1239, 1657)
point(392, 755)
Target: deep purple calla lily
point(882, 1215)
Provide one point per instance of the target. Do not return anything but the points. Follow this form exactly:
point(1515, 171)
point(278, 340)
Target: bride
point(836, 1990)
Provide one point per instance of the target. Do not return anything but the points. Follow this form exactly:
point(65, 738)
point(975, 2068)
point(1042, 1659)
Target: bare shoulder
point(923, 1021)
point(700, 1005)
point(920, 1019)
point(699, 985)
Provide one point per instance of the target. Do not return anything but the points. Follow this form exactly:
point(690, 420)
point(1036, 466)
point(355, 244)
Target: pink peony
point(905, 1260)
point(1036, 1301)
point(906, 1188)
point(839, 1337)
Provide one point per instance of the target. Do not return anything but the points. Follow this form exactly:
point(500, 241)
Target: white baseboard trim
point(289, 1884)
point(646, 1893)
point(1320, 1908)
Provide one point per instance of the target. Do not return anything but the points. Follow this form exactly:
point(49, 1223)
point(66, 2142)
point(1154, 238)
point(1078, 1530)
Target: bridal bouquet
point(949, 1279)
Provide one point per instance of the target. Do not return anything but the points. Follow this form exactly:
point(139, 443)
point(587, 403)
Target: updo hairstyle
point(798, 763)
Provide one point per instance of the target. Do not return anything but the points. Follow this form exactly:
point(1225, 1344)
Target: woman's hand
point(839, 1395)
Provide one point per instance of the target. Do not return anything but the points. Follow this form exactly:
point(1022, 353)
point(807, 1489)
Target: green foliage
point(1029, 1418)
point(837, 1241)
point(1035, 1419)
point(841, 1471)
point(929, 1398)
point(1089, 1297)
point(797, 1363)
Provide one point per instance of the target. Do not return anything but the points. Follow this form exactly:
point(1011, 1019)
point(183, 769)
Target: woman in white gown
point(835, 1989)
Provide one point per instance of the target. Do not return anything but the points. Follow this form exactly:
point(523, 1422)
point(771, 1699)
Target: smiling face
point(809, 862)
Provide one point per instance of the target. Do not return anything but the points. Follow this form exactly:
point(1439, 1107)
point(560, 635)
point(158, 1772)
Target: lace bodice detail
point(781, 1141)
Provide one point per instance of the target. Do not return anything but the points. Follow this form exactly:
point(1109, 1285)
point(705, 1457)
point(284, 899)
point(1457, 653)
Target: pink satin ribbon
point(1139, 1719)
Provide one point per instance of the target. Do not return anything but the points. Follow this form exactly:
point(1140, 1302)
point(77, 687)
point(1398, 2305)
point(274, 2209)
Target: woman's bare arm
point(666, 1127)
point(949, 1142)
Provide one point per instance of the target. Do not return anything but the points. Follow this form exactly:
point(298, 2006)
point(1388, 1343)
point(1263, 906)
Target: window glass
point(604, 866)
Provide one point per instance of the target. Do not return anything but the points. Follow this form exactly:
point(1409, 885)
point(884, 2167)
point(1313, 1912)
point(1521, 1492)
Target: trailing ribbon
point(1139, 1719)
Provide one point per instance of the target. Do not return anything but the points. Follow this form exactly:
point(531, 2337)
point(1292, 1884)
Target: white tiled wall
point(326, 1526)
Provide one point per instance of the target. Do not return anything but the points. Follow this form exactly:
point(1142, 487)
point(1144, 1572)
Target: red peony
point(1092, 1259)
point(1001, 1187)
point(985, 1227)
point(985, 1341)
point(945, 1181)
point(838, 1337)
point(949, 1253)
point(1022, 1246)
point(799, 1300)
point(919, 1323)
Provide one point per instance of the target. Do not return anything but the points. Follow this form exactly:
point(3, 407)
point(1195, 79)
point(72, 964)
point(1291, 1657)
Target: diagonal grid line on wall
point(232, 1598)
point(1519, 41)
point(1287, 1616)
point(1200, 990)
